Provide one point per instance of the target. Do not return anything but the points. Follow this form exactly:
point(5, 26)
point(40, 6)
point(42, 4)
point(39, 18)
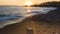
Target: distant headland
point(48, 4)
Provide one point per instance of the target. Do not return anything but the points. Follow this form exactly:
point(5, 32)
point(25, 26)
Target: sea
point(14, 14)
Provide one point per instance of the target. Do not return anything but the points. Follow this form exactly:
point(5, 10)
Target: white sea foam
point(24, 12)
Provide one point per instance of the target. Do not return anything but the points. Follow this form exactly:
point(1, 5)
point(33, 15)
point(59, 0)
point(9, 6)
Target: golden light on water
point(28, 3)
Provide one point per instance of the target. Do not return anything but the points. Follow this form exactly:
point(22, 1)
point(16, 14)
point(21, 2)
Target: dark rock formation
point(52, 16)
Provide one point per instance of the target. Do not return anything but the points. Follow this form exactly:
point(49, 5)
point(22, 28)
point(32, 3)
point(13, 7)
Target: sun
point(28, 3)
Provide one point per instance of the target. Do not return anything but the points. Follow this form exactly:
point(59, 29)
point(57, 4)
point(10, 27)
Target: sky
point(22, 2)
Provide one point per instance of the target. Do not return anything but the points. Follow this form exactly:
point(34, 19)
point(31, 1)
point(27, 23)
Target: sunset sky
point(22, 2)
